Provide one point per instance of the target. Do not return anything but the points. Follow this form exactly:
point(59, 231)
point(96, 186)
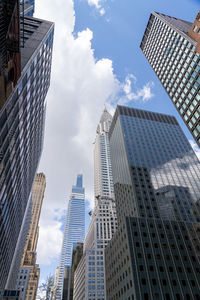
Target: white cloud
point(133, 93)
point(80, 86)
point(196, 148)
point(102, 11)
point(50, 236)
point(98, 5)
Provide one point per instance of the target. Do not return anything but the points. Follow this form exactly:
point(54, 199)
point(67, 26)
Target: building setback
point(172, 47)
point(74, 231)
point(25, 69)
point(29, 272)
point(156, 250)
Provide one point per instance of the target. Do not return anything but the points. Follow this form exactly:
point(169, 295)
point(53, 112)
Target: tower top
point(106, 116)
point(78, 188)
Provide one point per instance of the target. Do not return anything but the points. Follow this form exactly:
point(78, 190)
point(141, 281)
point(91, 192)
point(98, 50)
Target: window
point(143, 281)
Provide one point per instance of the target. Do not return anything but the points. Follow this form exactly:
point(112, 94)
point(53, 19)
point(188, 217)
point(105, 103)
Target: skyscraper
point(156, 250)
point(29, 272)
point(74, 230)
point(68, 289)
point(103, 182)
point(29, 7)
point(25, 67)
point(172, 47)
point(89, 279)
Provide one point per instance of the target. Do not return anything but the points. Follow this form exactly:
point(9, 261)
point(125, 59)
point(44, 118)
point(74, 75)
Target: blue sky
point(117, 36)
point(96, 60)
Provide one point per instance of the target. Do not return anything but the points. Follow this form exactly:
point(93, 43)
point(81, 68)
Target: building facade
point(172, 47)
point(29, 272)
point(103, 181)
point(54, 289)
point(89, 282)
point(29, 7)
point(155, 251)
point(22, 119)
point(89, 279)
point(77, 254)
point(74, 230)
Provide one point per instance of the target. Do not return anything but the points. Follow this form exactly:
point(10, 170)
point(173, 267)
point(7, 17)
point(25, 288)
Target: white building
point(103, 181)
point(54, 289)
point(89, 279)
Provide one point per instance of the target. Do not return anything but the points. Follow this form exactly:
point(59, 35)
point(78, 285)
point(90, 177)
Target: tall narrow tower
point(28, 276)
point(89, 279)
point(103, 182)
point(74, 230)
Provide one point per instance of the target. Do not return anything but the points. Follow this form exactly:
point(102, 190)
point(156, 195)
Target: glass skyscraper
point(29, 7)
point(24, 81)
point(156, 250)
point(74, 230)
point(172, 47)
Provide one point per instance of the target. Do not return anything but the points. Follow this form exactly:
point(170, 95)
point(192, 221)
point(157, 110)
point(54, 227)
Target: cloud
point(195, 148)
point(80, 86)
point(133, 93)
point(50, 236)
point(186, 166)
point(98, 6)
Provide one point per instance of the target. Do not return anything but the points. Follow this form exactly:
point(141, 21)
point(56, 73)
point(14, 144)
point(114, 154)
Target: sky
point(96, 61)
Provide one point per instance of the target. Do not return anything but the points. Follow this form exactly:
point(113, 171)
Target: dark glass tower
point(22, 118)
point(29, 7)
point(74, 231)
point(155, 252)
point(172, 47)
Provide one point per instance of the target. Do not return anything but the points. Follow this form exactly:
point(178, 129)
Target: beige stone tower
point(28, 276)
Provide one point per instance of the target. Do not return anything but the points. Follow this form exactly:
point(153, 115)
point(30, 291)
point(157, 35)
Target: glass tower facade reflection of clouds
point(156, 178)
point(74, 230)
point(172, 47)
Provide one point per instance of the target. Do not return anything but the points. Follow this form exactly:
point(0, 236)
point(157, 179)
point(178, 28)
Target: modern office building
point(74, 230)
point(172, 47)
point(89, 282)
point(155, 252)
point(11, 295)
point(29, 272)
point(25, 67)
point(68, 289)
point(29, 7)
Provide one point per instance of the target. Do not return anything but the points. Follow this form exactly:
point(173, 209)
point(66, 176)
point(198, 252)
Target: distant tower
point(89, 278)
point(74, 230)
point(172, 47)
point(103, 181)
point(29, 272)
